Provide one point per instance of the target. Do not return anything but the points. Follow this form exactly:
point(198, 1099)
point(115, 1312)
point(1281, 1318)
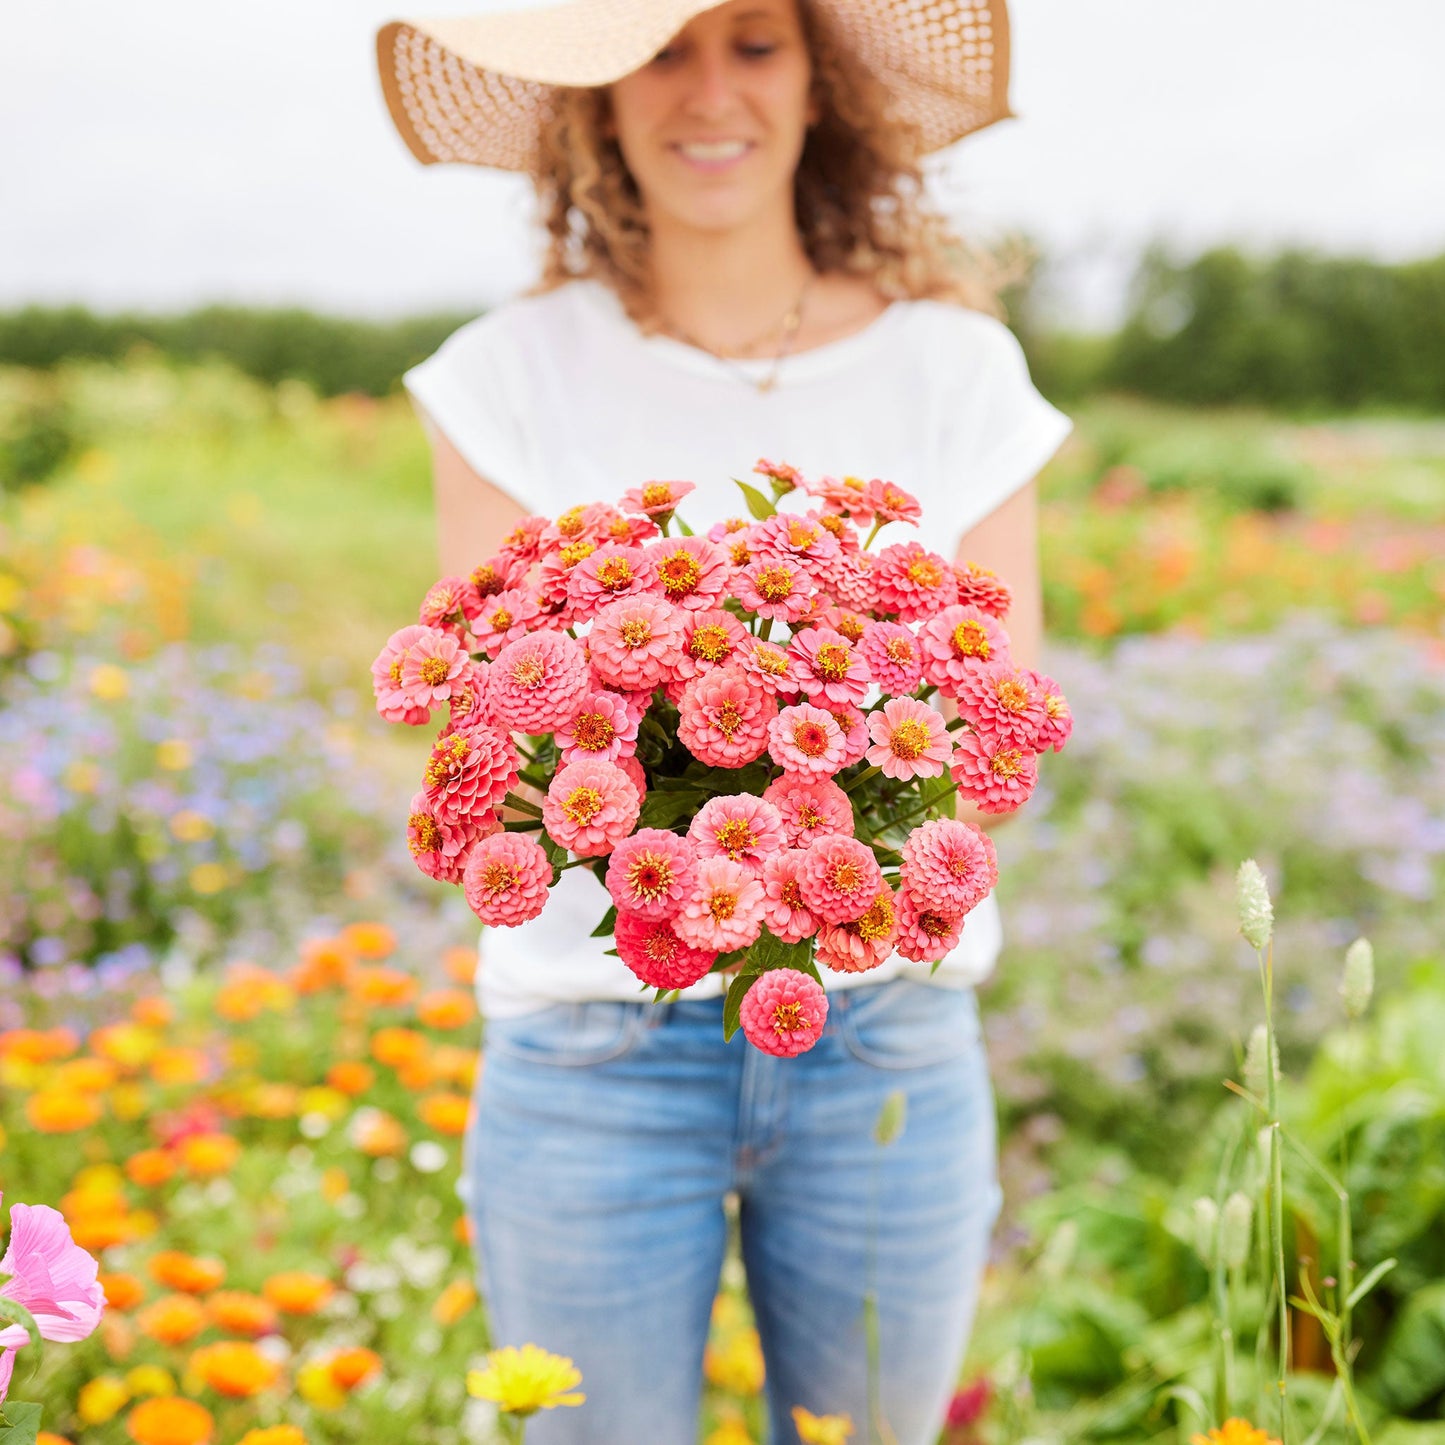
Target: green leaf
point(1369, 1282)
point(17, 1314)
point(733, 1003)
point(758, 504)
point(19, 1423)
point(605, 928)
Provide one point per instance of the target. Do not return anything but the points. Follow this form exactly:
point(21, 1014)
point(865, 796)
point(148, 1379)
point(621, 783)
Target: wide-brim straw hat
point(476, 89)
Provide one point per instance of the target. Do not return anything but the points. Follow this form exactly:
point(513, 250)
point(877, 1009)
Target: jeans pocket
point(904, 1024)
point(590, 1031)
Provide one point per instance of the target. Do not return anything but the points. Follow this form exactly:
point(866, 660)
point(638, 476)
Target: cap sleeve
point(998, 430)
point(471, 389)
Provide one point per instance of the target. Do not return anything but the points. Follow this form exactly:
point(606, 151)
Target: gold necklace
point(790, 324)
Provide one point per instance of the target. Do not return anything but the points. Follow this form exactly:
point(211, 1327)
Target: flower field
point(236, 1029)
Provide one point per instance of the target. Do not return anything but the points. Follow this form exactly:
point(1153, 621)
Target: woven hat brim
point(475, 90)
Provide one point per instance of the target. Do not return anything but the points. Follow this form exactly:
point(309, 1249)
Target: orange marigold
point(149, 1167)
point(235, 1368)
point(239, 1312)
point(189, 1273)
point(56, 1111)
point(446, 1008)
point(169, 1420)
point(354, 1366)
point(297, 1292)
point(173, 1319)
point(446, 1113)
point(122, 1291)
point(369, 940)
point(351, 1076)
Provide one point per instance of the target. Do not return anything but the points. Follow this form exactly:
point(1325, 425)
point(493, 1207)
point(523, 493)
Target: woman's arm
point(473, 516)
point(1007, 542)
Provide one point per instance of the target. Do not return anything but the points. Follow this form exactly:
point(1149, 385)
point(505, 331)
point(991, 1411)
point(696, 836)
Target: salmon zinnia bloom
point(298, 1292)
point(169, 1420)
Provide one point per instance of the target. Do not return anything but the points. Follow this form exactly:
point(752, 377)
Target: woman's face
point(712, 127)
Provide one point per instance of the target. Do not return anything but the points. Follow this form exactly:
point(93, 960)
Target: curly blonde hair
point(858, 197)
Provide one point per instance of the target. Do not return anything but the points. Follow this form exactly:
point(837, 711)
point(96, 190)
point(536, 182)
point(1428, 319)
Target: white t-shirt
point(559, 400)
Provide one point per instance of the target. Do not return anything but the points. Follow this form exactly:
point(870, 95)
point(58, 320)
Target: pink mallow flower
point(636, 642)
point(783, 1013)
point(830, 670)
point(806, 741)
point(601, 725)
point(925, 933)
point(893, 656)
point(725, 910)
point(864, 942)
point(955, 642)
point(590, 807)
point(691, 572)
point(392, 700)
point(839, 879)
point(607, 574)
point(995, 777)
point(655, 499)
point(910, 740)
point(949, 865)
point(432, 665)
point(913, 582)
point(652, 873)
point(506, 879)
point(651, 948)
point(1002, 701)
point(810, 808)
point(784, 911)
point(537, 680)
point(737, 826)
point(469, 772)
point(440, 846)
point(52, 1277)
point(723, 718)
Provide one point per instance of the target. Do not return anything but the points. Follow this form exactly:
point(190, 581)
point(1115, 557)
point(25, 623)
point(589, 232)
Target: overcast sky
point(160, 153)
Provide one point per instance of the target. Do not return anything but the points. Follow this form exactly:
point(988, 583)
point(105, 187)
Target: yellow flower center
point(908, 739)
point(832, 662)
point(635, 632)
point(615, 574)
point(582, 804)
point(970, 639)
point(592, 732)
point(680, 574)
point(735, 837)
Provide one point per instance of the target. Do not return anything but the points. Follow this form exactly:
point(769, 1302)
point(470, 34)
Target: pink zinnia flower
point(892, 504)
point(636, 642)
point(449, 605)
point(590, 807)
point(978, 587)
point(737, 826)
point(607, 574)
point(506, 879)
point(855, 733)
point(504, 617)
point(783, 1013)
point(914, 582)
point(996, 778)
point(955, 642)
point(725, 910)
point(1058, 721)
point(774, 586)
point(723, 719)
point(839, 879)
point(893, 656)
point(949, 865)
point(392, 699)
point(789, 535)
point(601, 725)
point(52, 1276)
point(806, 739)
point(523, 543)
point(655, 498)
point(432, 663)
point(469, 772)
point(910, 740)
point(691, 572)
point(770, 665)
point(652, 873)
point(810, 808)
point(864, 942)
point(784, 911)
point(651, 948)
point(830, 669)
point(536, 681)
point(440, 845)
point(786, 477)
point(925, 934)
point(710, 638)
point(1001, 700)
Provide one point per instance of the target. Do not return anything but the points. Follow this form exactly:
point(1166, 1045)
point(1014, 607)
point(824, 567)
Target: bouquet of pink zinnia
point(736, 732)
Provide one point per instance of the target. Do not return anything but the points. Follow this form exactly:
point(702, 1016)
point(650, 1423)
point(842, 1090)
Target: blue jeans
point(604, 1139)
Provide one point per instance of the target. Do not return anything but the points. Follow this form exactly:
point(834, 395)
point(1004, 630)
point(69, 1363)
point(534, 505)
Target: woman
point(739, 265)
